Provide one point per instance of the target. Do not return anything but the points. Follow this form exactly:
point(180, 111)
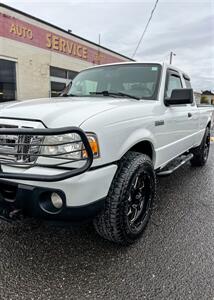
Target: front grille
point(19, 148)
point(56, 148)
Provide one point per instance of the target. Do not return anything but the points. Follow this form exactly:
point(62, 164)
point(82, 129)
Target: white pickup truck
point(95, 153)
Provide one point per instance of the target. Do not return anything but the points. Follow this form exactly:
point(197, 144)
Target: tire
point(129, 202)
point(201, 153)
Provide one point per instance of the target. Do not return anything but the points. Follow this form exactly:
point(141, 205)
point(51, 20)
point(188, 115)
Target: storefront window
point(60, 78)
point(7, 80)
point(72, 74)
point(57, 72)
point(57, 88)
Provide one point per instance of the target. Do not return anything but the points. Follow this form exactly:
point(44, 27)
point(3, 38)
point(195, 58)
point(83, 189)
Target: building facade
point(207, 97)
point(38, 59)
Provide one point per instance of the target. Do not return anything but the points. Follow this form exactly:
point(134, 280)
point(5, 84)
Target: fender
point(138, 136)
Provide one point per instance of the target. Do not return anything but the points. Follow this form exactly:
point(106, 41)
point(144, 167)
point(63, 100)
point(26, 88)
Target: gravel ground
point(173, 260)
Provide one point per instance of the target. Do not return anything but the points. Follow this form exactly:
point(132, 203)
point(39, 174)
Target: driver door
point(177, 130)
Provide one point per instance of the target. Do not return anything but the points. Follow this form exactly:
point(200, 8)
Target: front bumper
point(82, 195)
point(27, 200)
point(30, 182)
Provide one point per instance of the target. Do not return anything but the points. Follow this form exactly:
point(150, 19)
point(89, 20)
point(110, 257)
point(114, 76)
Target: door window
point(187, 83)
point(174, 82)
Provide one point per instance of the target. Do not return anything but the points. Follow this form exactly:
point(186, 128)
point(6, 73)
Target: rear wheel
point(129, 202)
point(201, 153)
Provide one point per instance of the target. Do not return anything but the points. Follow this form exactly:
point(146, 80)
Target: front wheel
point(201, 153)
point(129, 202)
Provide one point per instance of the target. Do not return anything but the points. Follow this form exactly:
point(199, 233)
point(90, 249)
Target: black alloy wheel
point(139, 200)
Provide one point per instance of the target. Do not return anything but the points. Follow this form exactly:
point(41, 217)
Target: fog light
point(56, 200)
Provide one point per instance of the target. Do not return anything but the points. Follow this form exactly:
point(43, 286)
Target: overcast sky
point(185, 27)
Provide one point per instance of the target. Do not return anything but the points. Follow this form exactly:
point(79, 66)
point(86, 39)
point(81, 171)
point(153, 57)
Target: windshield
point(137, 80)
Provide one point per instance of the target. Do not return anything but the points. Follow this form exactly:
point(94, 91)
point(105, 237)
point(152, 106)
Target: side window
point(187, 83)
point(174, 82)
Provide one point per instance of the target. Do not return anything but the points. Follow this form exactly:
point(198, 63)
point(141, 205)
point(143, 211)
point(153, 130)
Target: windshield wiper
point(107, 93)
point(68, 95)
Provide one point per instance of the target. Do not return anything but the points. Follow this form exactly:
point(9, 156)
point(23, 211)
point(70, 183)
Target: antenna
point(171, 56)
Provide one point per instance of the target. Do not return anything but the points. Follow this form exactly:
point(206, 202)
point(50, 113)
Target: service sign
point(24, 32)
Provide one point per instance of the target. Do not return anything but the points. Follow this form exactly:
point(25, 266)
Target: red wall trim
point(18, 30)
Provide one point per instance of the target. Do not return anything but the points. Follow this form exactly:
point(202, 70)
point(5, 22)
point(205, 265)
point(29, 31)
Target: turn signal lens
point(94, 146)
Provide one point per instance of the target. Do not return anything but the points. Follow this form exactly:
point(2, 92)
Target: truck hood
point(59, 111)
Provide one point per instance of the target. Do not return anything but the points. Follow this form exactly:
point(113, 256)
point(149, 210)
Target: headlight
point(69, 146)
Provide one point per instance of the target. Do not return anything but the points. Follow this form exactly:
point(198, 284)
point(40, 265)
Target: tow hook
point(8, 212)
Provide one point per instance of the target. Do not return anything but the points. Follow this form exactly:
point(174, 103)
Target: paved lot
point(174, 259)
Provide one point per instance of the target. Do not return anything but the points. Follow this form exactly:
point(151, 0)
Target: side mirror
point(180, 96)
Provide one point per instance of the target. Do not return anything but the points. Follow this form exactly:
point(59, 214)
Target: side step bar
point(166, 171)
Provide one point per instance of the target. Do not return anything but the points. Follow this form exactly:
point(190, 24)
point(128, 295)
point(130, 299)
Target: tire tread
point(108, 224)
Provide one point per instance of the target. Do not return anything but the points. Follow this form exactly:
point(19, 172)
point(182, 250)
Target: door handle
point(189, 115)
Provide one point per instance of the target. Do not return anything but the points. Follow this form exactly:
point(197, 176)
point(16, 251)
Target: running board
point(166, 171)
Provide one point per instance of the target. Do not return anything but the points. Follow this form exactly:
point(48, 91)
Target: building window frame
point(55, 79)
point(15, 61)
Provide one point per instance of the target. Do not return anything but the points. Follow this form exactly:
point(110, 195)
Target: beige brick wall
point(33, 65)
